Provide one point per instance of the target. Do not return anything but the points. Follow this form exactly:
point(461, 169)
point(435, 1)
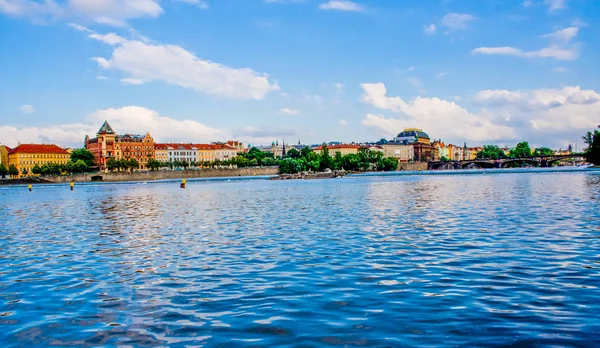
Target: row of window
point(27, 155)
point(40, 162)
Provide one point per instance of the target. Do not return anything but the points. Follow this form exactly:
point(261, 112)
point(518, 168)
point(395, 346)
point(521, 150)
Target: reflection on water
point(363, 261)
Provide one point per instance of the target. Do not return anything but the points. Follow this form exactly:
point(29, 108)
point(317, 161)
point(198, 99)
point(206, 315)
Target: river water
point(432, 261)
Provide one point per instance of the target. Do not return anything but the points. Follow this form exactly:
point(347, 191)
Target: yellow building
point(4, 150)
point(343, 149)
point(26, 156)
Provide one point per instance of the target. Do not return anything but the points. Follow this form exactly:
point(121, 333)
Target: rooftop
point(39, 148)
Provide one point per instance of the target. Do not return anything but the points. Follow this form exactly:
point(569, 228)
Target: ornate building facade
point(108, 144)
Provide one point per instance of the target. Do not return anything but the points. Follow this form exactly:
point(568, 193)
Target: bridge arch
point(480, 163)
point(535, 162)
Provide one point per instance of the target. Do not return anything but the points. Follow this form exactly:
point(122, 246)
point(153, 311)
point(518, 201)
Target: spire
point(283, 152)
point(106, 129)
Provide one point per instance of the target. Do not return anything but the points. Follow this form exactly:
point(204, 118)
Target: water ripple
point(495, 260)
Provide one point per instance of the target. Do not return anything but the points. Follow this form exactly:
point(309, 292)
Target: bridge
point(536, 161)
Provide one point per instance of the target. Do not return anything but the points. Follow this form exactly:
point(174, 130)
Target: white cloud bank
point(438, 117)
point(559, 49)
point(127, 119)
point(554, 117)
point(145, 62)
point(107, 12)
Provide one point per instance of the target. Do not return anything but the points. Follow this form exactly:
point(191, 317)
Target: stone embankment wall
point(168, 174)
point(416, 166)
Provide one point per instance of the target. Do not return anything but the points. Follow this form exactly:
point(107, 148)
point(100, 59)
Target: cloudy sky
point(487, 71)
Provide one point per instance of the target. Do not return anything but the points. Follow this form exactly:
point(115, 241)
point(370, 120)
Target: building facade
point(420, 142)
point(400, 151)
point(108, 144)
point(27, 156)
point(4, 150)
point(343, 149)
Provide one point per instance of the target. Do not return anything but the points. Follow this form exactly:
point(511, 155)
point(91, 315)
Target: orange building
point(108, 144)
point(26, 156)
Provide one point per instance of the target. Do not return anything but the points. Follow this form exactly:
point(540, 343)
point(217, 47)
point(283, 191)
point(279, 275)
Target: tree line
point(522, 150)
point(308, 160)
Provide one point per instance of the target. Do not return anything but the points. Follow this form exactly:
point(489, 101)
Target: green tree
point(133, 164)
point(80, 166)
point(292, 165)
point(37, 170)
point(444, 159)
point(111, 164)
point(325, 160)
point(305, 152)
point(153, 164)
point(363, 159)
point(3, 170)
point(521, 150)
point(24, 172)
point(338, 161)
point(543, 151)
point(84, 155)
point(184, 164)
point(13, 171)
point(69, 167)
point(267, 161)
point(592, 153)
point(491, 152)
point(389, 164)
point(293, 153)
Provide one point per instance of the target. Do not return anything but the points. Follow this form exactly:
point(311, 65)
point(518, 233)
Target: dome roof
point(413, 133)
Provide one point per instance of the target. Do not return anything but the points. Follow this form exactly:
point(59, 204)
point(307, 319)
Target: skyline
point(315, 71)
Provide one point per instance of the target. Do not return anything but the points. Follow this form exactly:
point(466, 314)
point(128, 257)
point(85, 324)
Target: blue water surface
point(428, 261)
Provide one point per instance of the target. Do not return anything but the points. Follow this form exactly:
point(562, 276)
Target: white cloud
point(563, 36)
point(78, 27)
point(128, 119)
point(339, 87)
point(343, 122)
point(430, 29)
point(130, 81)
point(110, 38)
point(412, 68)
point(27, 109)
point(144, 62)
point(341, 5)
point(288, 111)
point(546, 110)
point(284, 95)
point(560, 69)
point(560, 49)
point(100, 77)
point(555, 5)
point(457, 21)
point(440, 118)
point(108, 12)
point(201, 4)
point(442, 74)
point(527, 3)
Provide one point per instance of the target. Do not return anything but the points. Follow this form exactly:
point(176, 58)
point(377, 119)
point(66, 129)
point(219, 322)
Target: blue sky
point(488, 71)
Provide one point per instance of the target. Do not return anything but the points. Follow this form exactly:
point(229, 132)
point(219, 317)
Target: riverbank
point(146, 176)
point(24, 181)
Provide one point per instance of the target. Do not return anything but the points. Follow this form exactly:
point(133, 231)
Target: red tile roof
point(341, 146)
point(39, 148)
